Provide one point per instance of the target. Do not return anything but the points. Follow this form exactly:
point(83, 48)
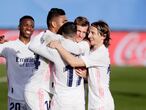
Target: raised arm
point(69, 45)
point(49, 36)
point(38, 46)
point(69, 58)
point(36, 42)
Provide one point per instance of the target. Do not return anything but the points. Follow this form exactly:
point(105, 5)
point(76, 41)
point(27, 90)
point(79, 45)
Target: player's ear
point(53, 24)
point(102, 37)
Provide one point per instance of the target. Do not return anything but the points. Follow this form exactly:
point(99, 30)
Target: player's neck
point(24, 40)
point(52, 30)
point(70, 38)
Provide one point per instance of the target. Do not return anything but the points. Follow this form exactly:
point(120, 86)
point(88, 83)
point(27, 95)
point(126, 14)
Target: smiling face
point(95, 38)
point(81, 32)
point(26, 28)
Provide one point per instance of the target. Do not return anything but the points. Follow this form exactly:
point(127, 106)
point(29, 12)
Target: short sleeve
point(97, 58)
point(2, 48)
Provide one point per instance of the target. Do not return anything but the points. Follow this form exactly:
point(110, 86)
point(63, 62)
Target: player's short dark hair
point(104, 30)
point(54, 12)
point(25, 17)
point(68, 29)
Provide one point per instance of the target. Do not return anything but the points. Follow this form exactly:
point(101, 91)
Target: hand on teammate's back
point(54, 44)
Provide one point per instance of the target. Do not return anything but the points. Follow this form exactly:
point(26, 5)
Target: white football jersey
point(20, 66)
point(43, 74)
point(85, 48)
point(67, 83)
point(98, 62)
point(42, 77)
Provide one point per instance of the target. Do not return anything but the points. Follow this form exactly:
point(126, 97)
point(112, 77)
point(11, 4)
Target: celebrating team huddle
point(48, 72)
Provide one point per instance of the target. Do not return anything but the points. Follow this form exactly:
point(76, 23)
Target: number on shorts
point(14, 106)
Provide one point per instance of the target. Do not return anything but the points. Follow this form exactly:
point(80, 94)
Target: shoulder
point(41, 33)
point(7, 46)
point(101, 52)
point(84, 42)
point(85, 47)
point(10, 42)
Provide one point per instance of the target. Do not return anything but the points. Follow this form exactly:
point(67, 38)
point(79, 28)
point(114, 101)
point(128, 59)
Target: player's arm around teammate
point(64, 82)
point(43, 74)
point(98, 63)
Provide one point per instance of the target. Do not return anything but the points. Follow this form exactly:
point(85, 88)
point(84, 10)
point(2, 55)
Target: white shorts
point(14, 104)
point(38, 100)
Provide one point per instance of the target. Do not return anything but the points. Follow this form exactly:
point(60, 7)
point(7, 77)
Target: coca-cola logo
point(131, 50)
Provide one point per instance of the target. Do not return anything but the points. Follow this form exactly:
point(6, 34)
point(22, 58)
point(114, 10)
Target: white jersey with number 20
point(20, 66)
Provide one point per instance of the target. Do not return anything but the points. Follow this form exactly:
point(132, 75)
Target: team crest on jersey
point(17, 52)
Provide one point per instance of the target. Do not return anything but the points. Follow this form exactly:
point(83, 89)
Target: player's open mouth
point(28, 32)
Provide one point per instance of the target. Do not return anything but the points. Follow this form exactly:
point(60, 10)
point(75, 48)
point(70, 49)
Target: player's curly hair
point(104, 31)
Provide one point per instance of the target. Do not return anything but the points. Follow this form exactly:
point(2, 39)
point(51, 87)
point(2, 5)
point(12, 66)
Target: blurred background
point(127, 20)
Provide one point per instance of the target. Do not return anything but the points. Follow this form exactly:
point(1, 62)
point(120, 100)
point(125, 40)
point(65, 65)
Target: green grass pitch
point(3, 88)
point(128, 87)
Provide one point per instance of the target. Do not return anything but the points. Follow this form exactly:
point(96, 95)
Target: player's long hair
point(104, 31)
